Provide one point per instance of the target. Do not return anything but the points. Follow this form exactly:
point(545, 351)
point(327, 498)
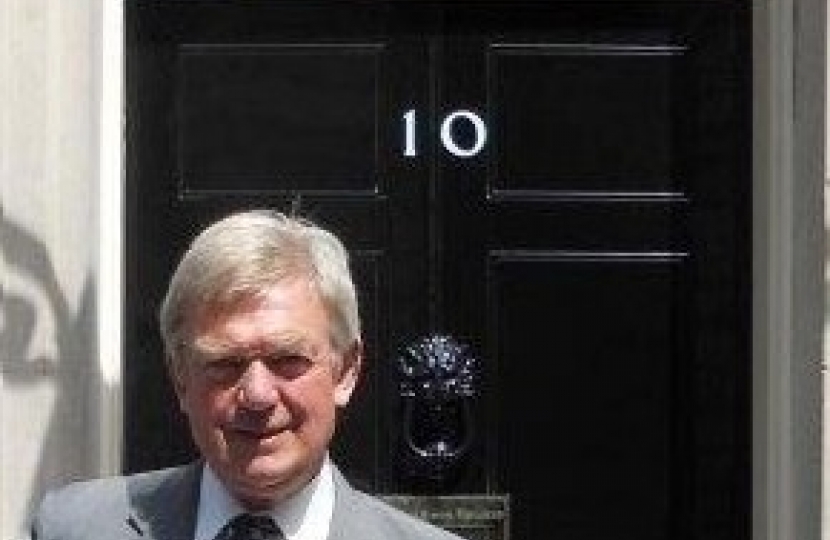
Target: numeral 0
point(410, 147)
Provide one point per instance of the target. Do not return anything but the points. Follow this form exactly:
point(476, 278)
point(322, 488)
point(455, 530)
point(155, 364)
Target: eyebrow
point(214, 349)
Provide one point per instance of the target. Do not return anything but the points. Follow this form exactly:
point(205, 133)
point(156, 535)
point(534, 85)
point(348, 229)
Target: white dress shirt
point(304, 516)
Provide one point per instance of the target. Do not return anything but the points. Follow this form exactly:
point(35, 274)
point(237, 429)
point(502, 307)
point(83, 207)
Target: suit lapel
point(350, 519)
point(163, 503)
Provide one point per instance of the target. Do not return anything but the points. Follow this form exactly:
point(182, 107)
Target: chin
point(272, 469)
point(267, 467)
point(262, 482)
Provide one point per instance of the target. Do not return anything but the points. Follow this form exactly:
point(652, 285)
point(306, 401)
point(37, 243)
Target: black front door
point(548, 209)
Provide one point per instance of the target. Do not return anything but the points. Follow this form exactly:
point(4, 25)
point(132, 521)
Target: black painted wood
point(595, 255)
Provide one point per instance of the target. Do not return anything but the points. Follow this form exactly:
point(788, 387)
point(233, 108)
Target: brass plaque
point(474, 517)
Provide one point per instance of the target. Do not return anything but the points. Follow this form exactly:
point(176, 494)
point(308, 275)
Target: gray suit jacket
point(161, 505)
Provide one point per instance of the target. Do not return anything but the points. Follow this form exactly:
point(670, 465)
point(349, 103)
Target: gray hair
point(247, 252)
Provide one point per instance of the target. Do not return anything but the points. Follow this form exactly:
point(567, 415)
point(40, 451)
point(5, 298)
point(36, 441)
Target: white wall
point(49, 122)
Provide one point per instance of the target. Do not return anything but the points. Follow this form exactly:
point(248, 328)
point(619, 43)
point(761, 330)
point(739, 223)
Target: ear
point(347, 376)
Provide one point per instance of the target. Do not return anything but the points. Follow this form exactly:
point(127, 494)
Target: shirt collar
point(306, 515)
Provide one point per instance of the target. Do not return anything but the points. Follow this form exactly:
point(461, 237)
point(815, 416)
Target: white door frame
point(788, 258)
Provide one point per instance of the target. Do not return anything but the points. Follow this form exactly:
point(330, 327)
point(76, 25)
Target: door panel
point(606, 342)
point(606, 109)
point(591, 259)
point(229, 95)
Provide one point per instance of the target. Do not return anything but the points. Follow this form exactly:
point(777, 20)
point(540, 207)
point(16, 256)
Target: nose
point(258, 387)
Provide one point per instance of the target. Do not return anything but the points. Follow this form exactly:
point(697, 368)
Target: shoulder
point(108, 491)
point(81, 497)
point(400, 524)
point(371, 517)
point(80, 508)
point(73, 510)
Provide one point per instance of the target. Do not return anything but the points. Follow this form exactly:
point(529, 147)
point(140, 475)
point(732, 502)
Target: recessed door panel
point(603, 116)
point(262, 118)
point(607, 340)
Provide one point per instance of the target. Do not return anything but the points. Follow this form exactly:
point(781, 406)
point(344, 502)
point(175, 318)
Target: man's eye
point(224, 369)
point(289, 366)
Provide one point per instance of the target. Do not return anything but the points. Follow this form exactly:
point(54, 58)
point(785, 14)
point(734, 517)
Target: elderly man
point(261, 329)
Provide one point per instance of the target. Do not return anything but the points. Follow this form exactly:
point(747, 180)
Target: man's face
point(261, 388)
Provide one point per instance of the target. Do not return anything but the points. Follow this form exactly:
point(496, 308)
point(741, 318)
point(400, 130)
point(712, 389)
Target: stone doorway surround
point(61, 200)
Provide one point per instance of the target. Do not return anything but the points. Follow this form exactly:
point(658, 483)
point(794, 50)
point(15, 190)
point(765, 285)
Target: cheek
point(206, 407)
point(313, 396)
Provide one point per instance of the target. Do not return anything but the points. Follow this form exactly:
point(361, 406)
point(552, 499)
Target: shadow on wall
point(43, 449)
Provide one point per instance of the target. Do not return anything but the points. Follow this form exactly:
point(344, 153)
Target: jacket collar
point(163, 503)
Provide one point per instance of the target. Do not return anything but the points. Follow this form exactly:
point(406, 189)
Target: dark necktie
point(250, 527)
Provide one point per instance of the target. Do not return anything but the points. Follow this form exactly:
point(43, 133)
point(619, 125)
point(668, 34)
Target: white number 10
point(410, 147)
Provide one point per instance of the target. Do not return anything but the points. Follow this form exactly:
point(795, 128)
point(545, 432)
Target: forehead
point(286, 312)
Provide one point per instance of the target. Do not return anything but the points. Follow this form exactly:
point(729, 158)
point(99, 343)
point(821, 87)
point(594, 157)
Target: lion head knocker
point(437, 384)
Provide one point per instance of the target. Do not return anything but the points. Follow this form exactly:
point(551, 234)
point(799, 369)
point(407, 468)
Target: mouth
point(256, 429)
point(254, 433)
